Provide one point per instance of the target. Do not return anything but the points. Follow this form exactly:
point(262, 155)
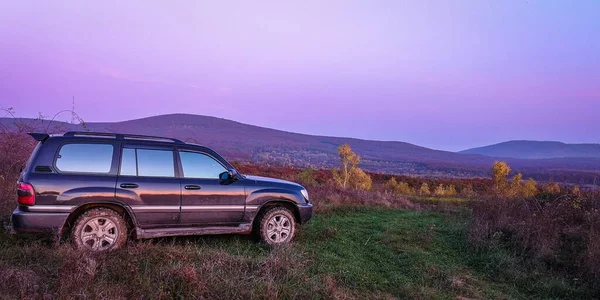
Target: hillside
point(243, 142)
point(536, 150)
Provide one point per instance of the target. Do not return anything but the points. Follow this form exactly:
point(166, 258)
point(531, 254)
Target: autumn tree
point(500, 172)
point(516, 185)
point(349, 174)
point(529, 189)
point(425, 189)
point(450, 191)
point(439, 190)
point(552, 188)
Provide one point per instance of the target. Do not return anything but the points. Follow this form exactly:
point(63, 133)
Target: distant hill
point(537, 150)
point(243, 142)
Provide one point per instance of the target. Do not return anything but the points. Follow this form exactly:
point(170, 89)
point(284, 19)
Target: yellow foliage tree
point(450, 191)
point(529, 189)
point(516, 185)
point(349, 174)
point(552, 188)
point(440, 190)
point(425, 189)
point(500, 171)
point(348, 162)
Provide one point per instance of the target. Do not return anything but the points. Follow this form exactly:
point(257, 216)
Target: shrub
point(307, 176)
point(530, 189)
point(468, 192)
point(401, 188)
point(449, 191)
point(560, 231)
point(576, 191)
point(552, 188)
point(360, 180)
point(391, 184)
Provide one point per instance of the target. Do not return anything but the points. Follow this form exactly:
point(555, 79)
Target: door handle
point(129, 185)
point(192, 187)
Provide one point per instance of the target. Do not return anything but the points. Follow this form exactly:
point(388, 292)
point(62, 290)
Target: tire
point(276, 226)
point(99, 230)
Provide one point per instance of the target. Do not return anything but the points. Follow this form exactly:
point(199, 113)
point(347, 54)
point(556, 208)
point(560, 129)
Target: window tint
point(128, 162)
point(85, 158)
point(196, 165)
point(155, 163)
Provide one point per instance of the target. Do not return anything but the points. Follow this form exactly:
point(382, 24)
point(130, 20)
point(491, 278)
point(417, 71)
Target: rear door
point(204, 198)
point(78, 172)
point(147, 181)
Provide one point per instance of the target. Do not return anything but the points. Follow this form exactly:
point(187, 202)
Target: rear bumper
point(38, 222)
point(305, 212)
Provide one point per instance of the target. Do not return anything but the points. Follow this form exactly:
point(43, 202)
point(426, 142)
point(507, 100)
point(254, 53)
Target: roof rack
point(120, 136)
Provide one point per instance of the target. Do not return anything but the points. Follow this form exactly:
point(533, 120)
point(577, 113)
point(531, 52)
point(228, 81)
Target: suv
point(101, 188)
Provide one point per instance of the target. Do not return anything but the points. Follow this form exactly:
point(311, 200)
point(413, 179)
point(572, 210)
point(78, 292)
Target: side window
point(196, 165)
point(85, 158)
point(146, 162)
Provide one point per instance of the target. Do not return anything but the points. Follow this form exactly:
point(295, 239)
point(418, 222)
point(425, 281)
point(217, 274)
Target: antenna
point(73, 112)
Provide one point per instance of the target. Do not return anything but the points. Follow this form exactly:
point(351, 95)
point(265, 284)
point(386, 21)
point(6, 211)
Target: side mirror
point(225, 176)
point(229, 175)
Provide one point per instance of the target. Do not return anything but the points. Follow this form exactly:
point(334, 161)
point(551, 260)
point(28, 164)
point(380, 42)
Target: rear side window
point(85, 158)
point(146, 162)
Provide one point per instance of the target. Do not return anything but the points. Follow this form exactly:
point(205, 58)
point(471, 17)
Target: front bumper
point(37, 222)
point(305, 212)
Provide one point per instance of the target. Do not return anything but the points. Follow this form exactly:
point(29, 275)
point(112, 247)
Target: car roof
point(41, 137)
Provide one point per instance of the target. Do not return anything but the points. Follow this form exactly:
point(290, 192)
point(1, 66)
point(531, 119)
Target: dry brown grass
point(329, 197)
point(560, 232)
point(147, 270)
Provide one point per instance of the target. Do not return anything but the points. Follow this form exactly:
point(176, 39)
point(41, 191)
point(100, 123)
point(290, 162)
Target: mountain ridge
point(243, 142)
point(528, 149)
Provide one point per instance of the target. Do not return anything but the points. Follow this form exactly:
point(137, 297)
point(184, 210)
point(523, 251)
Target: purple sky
point(442, 74)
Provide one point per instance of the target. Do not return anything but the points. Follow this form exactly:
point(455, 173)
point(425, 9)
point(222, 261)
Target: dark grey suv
point(101, 188)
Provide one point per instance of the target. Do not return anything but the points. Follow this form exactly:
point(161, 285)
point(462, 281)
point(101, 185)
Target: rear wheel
point(99, 229)
point(276, 226)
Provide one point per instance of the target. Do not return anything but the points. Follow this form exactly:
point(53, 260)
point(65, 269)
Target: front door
point(204, 198)
point(147, 182)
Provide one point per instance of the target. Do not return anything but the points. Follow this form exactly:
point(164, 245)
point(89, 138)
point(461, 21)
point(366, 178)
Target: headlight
point(305, 194)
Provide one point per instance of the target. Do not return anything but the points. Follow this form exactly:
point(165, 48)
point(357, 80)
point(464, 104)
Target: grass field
point(348, 253)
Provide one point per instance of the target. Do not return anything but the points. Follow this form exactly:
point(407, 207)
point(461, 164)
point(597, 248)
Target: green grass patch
point(440, 200)
point(421, 255)
point(354, 253)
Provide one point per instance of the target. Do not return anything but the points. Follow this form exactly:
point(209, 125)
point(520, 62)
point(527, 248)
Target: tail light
point(25, 194)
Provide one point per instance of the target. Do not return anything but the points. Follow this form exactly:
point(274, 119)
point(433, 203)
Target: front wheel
point(99, 229)
point(277, 226)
